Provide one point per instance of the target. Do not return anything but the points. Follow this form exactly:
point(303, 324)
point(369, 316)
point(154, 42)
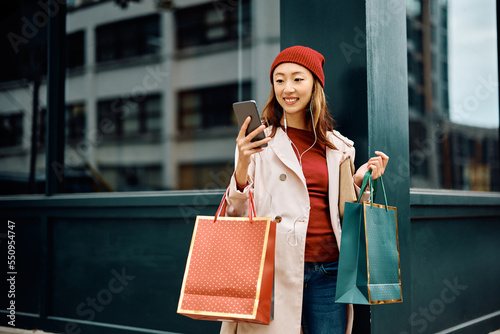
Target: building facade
point(149, 91)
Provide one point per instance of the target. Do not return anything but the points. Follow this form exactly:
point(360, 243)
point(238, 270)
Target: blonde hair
point(323, 121)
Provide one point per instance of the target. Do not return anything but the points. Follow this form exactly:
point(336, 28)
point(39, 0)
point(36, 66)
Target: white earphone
point(314, 130)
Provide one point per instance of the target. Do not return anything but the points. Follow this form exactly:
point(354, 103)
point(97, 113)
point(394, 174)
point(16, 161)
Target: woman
point(295, 179)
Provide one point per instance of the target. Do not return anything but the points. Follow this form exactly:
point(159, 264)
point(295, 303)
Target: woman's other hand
point(376, 164)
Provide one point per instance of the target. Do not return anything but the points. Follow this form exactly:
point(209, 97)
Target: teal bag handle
point(383, 192)
point(367, 179)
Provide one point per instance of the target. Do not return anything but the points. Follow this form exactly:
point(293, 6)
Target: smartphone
point(249, 108)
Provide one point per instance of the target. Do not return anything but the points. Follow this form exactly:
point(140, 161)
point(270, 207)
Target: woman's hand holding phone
point(245, 150)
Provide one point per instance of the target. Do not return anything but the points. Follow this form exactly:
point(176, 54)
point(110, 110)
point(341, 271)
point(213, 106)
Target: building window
point(208, 24)
point(418, 160)
point(205, 176)
point(11, 128)
point(76, 49)
point(131, 117)
point(210, 107)
point(445, 100)
point(129, 38)
point(415, 100)
point(444, 47)
point(75, 122)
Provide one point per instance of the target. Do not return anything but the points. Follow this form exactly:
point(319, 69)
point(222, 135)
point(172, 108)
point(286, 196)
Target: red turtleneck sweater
point(321, 245)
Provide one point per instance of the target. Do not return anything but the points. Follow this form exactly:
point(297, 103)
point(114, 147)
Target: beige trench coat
point(280, 189)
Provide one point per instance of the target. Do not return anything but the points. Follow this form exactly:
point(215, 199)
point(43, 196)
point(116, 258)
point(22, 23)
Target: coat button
point(283, 177)
point(277, 219)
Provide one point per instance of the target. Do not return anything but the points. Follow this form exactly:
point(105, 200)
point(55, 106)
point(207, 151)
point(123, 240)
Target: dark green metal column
point(337, 30)
point(364, 43)
point(56, 45)
point(388, 129)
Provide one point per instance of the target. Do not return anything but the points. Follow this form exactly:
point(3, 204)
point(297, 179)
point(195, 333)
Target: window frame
point(105, 110)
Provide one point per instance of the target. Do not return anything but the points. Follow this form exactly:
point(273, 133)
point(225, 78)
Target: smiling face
point(293, 85)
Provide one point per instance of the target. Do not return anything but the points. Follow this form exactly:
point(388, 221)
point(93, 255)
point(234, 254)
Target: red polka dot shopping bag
point(230, 267)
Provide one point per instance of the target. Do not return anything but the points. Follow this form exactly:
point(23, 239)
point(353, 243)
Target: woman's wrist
point(240, 176)
point(357, 180)
point(240, 187)
point(360, 174)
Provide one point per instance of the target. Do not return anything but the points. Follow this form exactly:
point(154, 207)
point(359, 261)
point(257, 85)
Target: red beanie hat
point(302, 55)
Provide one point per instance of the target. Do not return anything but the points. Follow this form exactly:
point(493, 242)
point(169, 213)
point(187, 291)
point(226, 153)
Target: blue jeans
point(320, 313)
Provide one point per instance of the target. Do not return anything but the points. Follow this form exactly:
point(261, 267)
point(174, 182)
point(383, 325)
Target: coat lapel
point(284, 151)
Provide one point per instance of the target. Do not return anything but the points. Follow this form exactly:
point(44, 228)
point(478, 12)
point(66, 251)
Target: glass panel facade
point(150, 87)
point(453, 94)
point(149, 92)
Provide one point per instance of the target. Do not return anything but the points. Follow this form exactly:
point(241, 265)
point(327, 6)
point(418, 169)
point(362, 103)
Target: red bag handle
point(221, 211)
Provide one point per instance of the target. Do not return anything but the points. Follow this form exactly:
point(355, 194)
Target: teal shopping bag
point(369, 266)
